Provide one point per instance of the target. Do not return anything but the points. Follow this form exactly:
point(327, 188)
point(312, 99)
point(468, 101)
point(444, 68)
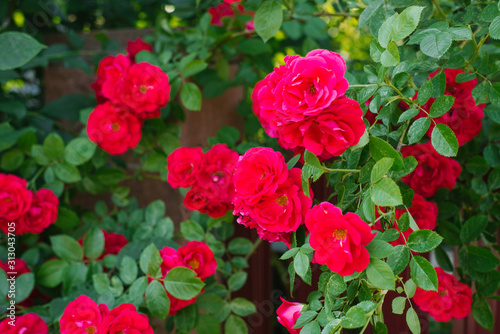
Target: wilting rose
point(114, 128)
point(199, 257)
point(15, 199)
point(338, 240)
point(42, 213)
point(134, 47)
point(30, 323)
point(452, 300)
point(82, 316)
point(433, 171)
point(183, 166)
point(259, 172)
point(288, 313)
point(125, 319)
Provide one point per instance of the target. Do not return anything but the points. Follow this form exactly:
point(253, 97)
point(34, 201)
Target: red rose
point(170, 259)
point(145, 89)
point(259, 172)
point(125, 319)
point(183, 165)
point(433, 171)
point(452, 300)
point(15, 199)
point(327, 134)
point(20, 267)
point(134, 47)
point(248, 222)
point(196, 199)
point(42, 213)
point(114, 128)
point(288, 313)
point(110, 74)
point(231, 1)
point(338, 240)
point(217, 13)
point(197, 256)
point(101, 77)
point(30, 323)
point(113, 243)
point(82, 316)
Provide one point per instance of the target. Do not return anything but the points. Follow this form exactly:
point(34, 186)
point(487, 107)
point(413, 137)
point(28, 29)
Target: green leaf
point(67, 218)
point(17, 49)
point(354, 318)
point(4, 284)
point(376, 53)
point(157, 300)
point(335, 286)
point(413, 321)
point(464, 77)
point(408, 114)
point(311, 328)
point(379, 249)
point(53, 146)
point(371, 12)
point(481, 92)
point(423, 241)
point(444, 140)
point(406, 22)
point(79, 151)
point(268, 19)
point(292, 162)
point(12, 160)
point(25, 284)
point(235, 324)
point(237, 280)
point(390, 57)
point(425, 92)
point(441, 105)
point(381, 149)
point(482, 313)
point(381, 168)
point(435, 45)
point(51, 272)
point(311, 169)
point(191, 230)
point(460, 33)
point(385, 33)
point(443, 259)
point(193, 67)
point(150, 261)
point(398, 305)
point(304, 318)
point(423, 273)
point(242, 307)
point(66, 247)
point(67, 173)
point(240, 246)
point(207, 324)
point(380, 275)
point(494, 28)
point(183, 283)
point(398, 259)
point(186, 318)
point(301, 264)
point(191, 96)
point(418, 129)
point(473, 228)
point(366, 93)
point(410, 288)
point(93, 243)
point(386, 193)
point(289, 253)
point(480, 258)
point(128, 270)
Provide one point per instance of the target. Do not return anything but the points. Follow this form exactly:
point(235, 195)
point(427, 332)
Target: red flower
point(231, 1)
point(183, 165)
point(134, 47)
point(42, 213)
point(433, 171)
point(110, 76)
point(197, 256)
point(125, 319)
point(177, 304)
point(170, 259)
point(196, 199)
point(15, 199)
point(452, 300)
point(82, 316)
point(113, 243)
point(288, 313)
point(338, 240)
point(101, 77)
point(20, 267)
point(115, 129)
point(217, 13)
point(30, 323)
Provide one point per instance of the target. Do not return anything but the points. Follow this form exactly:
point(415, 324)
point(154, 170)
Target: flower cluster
point(338, 240)
point(196, 256)
point(288, 313)
point(113, 243)
point(301, 104)
point(31, 212)
point(269, 197)
point(433, 171)
point(30, 323)
point(464, 117)
point(452, 300)
point(128, 93)
point(209, 175)
point(83, 315)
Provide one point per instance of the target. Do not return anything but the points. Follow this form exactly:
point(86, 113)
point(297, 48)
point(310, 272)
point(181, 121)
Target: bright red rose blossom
point(452, 300)
point(125, 319)
point(113, 243)
point(115, 129)
point(30, 323)
point(183, 165)
point(217, 13)
point(197, 256)
point(338, 240)
point(433, 171)
point(15, 199)
point(110, 76)
point(134, 47)
point(82, 316)
point(288, 313)
point(42, 213)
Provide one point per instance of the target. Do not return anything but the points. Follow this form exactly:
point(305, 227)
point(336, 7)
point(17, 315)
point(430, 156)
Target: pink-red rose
point(42, 213)
point(82, 316)
point(288, 313)
point(338, 240)
point(114, 128)
point(197, 256)
point(183, 165)
point(125, 319)
point(134, 47)
point(30, 323)
point(110, 76)
point(452, 300)
point(15, 199)
point(433, 171)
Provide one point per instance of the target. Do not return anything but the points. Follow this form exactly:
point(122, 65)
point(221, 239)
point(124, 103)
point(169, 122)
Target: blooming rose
point(220, 11)
point(433, 171)
point(338, 240)
point(259, 172)
point(82, 316)
point(125, 319)
point(452, 300)
point(15, 199)
point(183, 165)
point(196, 199)
point(170, 259)
point(114, 128)
point(42, 213)
point(134, 47)
point(101, 77)
point(145, 89)
point(197, 256)
point(110, 76)
point(30, 323)
point(288, 313)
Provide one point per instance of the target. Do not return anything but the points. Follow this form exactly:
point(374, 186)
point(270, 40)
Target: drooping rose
point(30, 323)
point(452, 300)
point(125, 319)
point(183, 165)
point(433, 171)
point(288, 313)
point(199, 257)
point(259, 172)
point(110, 74)
point(338, 240)
point(15, 199)
point(42, 213)
point(82, 316)
point(134, 47)
point(114, 128)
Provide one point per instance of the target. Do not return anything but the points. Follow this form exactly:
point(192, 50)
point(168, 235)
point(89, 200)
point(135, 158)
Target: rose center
point(443, 293)
point(281, 201)
point(339, 234)
point(143, 89)
point(90, 330)
point(312, 89)
point(194, 264)
point(115, 127)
